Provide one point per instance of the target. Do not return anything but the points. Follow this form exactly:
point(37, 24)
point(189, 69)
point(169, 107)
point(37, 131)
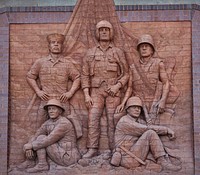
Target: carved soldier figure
point(134, 139)
point(55, 138)
point(104, 73)
point(49, 76)
point(148, 80)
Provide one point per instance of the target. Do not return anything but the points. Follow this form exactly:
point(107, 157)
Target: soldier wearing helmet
point(134, 139)
point(104, 74)
point(56, 138)
point(148, 79)
point(146, 39)
point(104, 24)
point(133, 101)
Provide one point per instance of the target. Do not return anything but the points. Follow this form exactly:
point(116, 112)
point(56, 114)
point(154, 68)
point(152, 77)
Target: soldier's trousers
point(149, 141)
point(59, 155)
point(101, 100)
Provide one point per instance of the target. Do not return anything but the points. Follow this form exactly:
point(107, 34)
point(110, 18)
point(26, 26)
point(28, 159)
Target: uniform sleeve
point(160, 130)
point(59, 131)
point(73, 72)
point(85, 75)
point(35, 69)
point(41, 131)
point(137, 129)
point(124, 66)
point(131, 128)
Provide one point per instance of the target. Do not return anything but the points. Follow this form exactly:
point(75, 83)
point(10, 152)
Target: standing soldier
point(49, 76)
point(148, 80)
point(104, 73)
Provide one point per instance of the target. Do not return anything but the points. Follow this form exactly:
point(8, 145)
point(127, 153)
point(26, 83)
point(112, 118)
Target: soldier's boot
point(91, 153)
point(38, 168)
point(42, 162)
point(167, 165)
point(26, 164)
point(116, 159)
point(107, 154)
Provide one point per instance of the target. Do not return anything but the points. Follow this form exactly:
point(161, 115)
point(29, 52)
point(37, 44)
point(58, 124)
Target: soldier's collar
point(109, 46)
point(55, 119)
point(61, 58)
point(132, 118)
point(148, 62)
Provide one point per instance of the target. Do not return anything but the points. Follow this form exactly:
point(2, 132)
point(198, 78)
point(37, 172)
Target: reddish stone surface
point(28, 43)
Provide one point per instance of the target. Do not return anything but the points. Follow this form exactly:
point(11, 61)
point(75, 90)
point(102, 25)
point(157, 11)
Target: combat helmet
point(101, 24)
point(133, 101)
point(146, 39)
point(54, 102)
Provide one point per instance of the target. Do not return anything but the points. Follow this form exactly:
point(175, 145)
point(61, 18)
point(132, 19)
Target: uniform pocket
point(112, 67)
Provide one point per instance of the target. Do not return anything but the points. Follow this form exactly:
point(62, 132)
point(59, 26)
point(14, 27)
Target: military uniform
point(54, 78)
point(101, 69)
point(59, 139)
point(138, 139)
point(150, 89)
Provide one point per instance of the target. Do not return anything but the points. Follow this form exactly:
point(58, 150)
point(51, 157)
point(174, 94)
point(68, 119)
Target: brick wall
point(196, 85)
point(4, 87)
point(188, 16)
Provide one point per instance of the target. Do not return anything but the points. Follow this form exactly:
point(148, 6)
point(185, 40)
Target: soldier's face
point(104, 34)
point(134, 111)
point(145, 50)
point(54, 112)
point(55, 46)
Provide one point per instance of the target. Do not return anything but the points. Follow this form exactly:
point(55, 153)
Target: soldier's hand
point(30, 154)
point(112, 90)
point(27, 146)
point(66, 96)
point(120, 108)
point(43, 95)
point(149, 122)
point(171, 134)
point(88, 101)
point(160, 106)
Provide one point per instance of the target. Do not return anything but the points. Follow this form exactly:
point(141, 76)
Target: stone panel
point(179, 44)
point(173, 44)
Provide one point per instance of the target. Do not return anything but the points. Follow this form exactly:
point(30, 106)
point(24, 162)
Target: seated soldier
point(134, 140)
point(55, 138)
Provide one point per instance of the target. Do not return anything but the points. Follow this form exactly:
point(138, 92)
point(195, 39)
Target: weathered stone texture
point(169, 38)
point(196, 84)
point(4, 76)
point(173, 44)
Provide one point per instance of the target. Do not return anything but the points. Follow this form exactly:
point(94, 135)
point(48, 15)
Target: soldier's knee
point(151, 132)
point(41, 137)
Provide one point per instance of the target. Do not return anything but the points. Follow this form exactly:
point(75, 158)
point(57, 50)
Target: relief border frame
point(134, 13)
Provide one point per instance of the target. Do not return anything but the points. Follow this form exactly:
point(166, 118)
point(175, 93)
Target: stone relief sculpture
point(104, 73)
point(56, 139)
point(148, 80)
point(49, 78)
point(134, 140)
